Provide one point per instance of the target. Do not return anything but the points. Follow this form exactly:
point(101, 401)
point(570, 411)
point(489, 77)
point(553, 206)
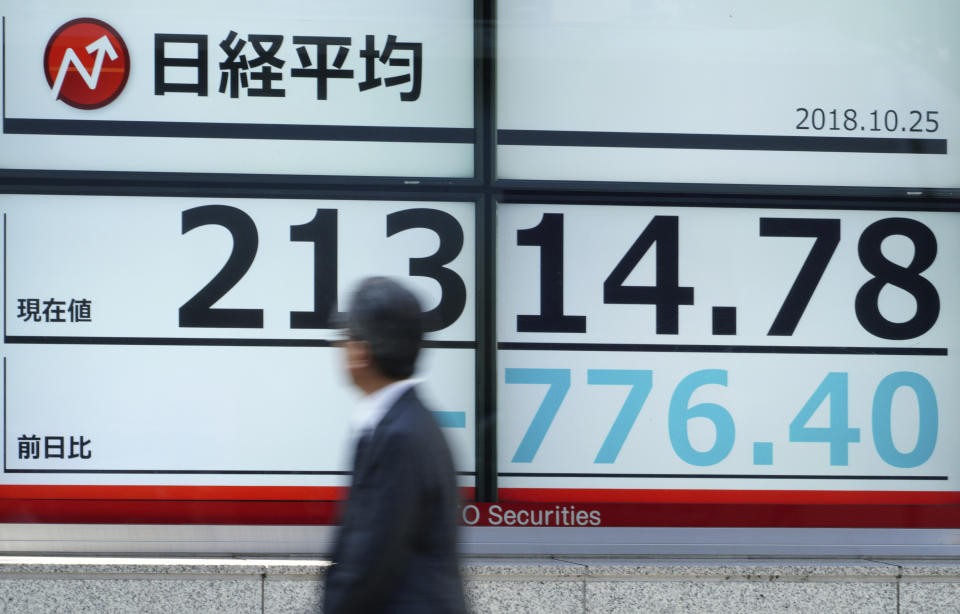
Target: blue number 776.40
point(838, 435)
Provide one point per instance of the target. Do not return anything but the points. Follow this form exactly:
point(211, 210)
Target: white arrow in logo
point(102, 47)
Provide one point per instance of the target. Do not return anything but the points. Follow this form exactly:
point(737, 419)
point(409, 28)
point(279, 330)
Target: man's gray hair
point(387, 316)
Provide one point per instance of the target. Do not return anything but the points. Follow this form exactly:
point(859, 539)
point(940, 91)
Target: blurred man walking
point(396, 550)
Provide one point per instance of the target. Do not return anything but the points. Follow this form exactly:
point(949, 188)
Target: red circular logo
point(86, 63)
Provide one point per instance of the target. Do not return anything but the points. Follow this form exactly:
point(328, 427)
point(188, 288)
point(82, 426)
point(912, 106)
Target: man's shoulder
point(408, 407)
point(409, 418)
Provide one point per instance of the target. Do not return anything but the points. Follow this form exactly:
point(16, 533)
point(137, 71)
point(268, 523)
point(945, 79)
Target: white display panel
point(114, 381)
point(366, 88)
point(669, 348)
point(850, 93)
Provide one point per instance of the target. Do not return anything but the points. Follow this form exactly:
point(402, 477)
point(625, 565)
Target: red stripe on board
point(185, 493)
point(610, 514)
point(317, 506)
point(91, 511)
point(818, 497)
point(177, 493)
point(561, 495)
point(280, 505)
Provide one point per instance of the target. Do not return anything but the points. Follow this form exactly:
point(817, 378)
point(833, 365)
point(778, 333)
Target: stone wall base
point(45, 584)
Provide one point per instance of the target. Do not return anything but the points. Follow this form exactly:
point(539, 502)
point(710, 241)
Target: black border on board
point(486, 406)
point(487, 191)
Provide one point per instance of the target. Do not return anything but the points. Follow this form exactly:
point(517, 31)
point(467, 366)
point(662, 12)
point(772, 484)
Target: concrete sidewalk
point(45, 584)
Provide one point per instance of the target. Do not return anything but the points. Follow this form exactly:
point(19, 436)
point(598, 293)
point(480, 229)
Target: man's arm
point(384, 505)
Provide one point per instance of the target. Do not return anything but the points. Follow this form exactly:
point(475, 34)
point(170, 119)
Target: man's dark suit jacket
point(396, 550)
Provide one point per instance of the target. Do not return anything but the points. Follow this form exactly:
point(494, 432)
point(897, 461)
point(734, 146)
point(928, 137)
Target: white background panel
point(130, 258)
point(445, 30)
point(738, 67)
point(159, 404)
point(723, 257)
point(179, 409)
point(770, 378)
point(762, 396)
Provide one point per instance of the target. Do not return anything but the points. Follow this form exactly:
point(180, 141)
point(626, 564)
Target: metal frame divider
point(486, 191)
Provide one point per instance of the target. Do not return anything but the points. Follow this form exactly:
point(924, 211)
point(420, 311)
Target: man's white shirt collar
point(372, 408)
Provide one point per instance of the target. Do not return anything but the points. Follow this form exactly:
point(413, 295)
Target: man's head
point(384, 329)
